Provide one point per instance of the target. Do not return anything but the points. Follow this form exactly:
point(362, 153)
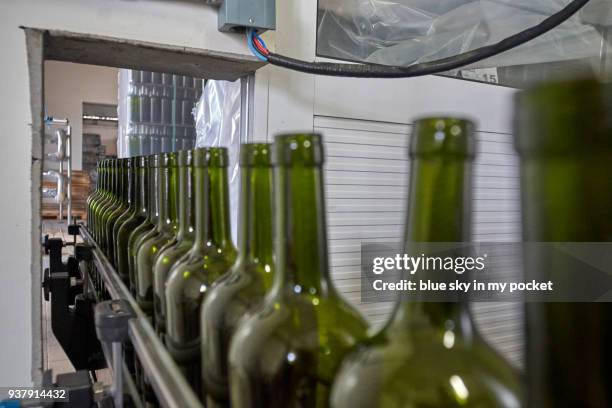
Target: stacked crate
point(80, 190)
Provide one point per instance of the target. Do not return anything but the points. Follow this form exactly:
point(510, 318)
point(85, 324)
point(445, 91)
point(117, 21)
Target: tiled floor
point(54, 356)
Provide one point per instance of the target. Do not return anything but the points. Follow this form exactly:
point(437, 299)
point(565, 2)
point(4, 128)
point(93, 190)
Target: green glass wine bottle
point(130, 205)
point(139, 216)
point(108, 201)
point(149, 223)
point(287, 353)
point(105, 199)
point(210, 257)
point(250, 278)
point(155, 193)
point(171, 254)
point(429, 354)
point(563, 136)
point(163, 233)
point(113, 203)
point(114, 216)
point(94, 195)
point(103, 196)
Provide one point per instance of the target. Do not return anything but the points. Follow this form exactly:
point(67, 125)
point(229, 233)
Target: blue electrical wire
point(260, 40)
point(250, 36)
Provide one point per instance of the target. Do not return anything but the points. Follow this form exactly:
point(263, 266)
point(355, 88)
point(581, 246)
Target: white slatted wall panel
point(366, 190)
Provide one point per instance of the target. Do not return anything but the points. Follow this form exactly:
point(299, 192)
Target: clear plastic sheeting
point(217, 116)
point(404, 32)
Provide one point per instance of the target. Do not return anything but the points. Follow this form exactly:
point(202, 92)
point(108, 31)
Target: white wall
point(183, 23)
point(68, 85)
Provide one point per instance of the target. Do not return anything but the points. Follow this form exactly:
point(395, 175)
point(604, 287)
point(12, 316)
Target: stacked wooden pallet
point(80, 191)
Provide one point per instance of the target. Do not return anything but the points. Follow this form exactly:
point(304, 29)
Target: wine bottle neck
point(152, 202)
point(438, 211)
point(255, 217)
point(173, 191)
point(117, 181)
point(125, 191)
point(220, 230)
point(301, 230)
point(191, 204)
point(102, 179)
point(185, 207)
point(202, 206)
point(109, 180)
point(99, 179)
point(131, 187)
point(163, 198)
point(142, 190)
point(122, 183)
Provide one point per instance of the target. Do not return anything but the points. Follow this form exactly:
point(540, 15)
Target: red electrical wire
point(260, 46)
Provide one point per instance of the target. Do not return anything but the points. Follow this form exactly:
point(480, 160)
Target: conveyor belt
point(169, 384)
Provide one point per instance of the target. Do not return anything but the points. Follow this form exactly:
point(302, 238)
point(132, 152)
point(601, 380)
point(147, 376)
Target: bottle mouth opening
point(218, 157)
point(184, 158)
point(443, 136)
point(564, 118)
point(142, 162)
point(256, 155)
point(156, 160)
point(302, 149)
point(173, 159)
point(210, 157)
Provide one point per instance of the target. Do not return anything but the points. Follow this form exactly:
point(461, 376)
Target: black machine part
point(72, 315)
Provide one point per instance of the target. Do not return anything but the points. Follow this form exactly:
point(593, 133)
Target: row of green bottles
point(264, 326)
point(103, 194)
point(171, 241)
point(210, 256)
point(102, 216)
point(109, 202)
point(176, 249)
point(287, 352)
point(305, 346)
point(249, 279)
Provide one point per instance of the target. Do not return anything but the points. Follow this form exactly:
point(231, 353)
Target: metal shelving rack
point(63, 135)
point(168, 382)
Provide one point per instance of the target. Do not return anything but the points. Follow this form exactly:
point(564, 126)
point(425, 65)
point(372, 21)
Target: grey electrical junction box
point(237, 14)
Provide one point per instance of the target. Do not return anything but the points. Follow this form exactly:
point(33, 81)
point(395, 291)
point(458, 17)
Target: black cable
point(432, 67)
